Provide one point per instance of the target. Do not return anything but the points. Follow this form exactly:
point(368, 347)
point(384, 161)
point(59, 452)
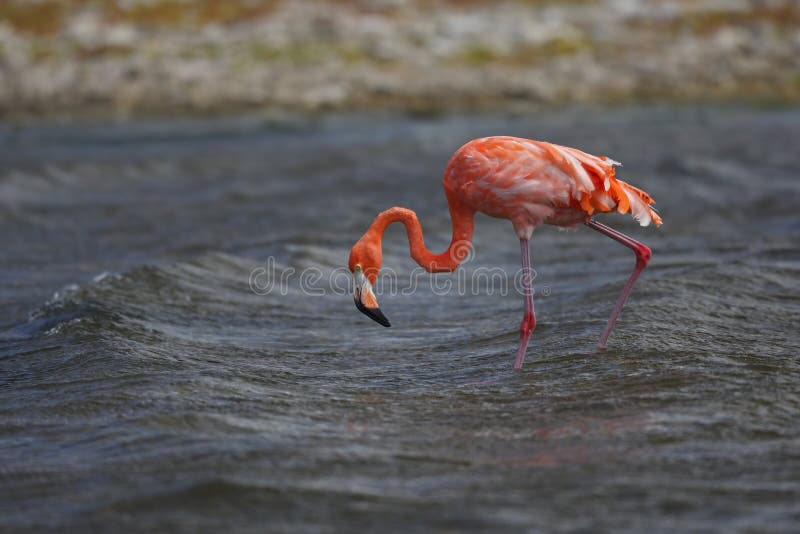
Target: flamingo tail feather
point(640, 205)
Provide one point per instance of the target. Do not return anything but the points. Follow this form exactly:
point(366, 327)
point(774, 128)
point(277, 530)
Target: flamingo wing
point(502, 175)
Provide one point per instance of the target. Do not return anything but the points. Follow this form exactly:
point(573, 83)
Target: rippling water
point(144, 385)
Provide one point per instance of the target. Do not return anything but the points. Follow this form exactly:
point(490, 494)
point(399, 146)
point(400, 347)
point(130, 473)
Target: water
point(144, 386)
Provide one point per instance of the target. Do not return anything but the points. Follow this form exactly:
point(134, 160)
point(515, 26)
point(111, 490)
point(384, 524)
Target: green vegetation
point(177, 13)
point(478, 55)
point(706, 22)
point(781, 16)
point(38, 18)
point(47, 17)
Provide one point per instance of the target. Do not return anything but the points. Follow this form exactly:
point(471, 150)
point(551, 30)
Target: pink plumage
point(527, 182)
point(534, 182)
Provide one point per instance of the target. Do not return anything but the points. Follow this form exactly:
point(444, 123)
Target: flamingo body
point(534, 182)
point(527, 182)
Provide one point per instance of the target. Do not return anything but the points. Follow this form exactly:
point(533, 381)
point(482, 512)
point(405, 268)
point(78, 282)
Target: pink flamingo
point(528, 182)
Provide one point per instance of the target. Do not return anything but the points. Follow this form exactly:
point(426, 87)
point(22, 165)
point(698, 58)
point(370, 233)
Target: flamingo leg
point(643, 254)
point(529, 319)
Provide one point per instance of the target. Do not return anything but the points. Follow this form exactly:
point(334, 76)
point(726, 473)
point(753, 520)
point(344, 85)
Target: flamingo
point(527, 182)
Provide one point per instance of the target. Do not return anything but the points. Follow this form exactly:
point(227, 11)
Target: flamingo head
point(365, 262)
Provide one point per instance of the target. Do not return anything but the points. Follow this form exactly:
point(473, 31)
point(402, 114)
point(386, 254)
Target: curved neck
point(460, 243)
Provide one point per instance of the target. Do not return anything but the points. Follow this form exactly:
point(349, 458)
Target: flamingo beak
point(365, 299)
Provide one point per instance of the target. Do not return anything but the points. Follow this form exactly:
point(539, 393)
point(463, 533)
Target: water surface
point(144, 385)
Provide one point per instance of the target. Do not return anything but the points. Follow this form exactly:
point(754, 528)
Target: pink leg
point(643, 254)
point(529, 320)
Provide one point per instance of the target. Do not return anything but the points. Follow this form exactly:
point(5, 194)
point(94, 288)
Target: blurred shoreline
point(74, 59)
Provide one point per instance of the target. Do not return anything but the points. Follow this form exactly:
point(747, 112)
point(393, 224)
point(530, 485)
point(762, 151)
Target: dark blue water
point(145, 386)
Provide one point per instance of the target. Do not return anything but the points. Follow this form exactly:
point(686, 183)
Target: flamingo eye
point(357, 268)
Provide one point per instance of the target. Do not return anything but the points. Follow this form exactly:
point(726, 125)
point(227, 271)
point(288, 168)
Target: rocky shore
point(118, 58)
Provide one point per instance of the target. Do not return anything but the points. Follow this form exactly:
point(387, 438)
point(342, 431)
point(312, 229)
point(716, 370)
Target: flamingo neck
point(447, 261)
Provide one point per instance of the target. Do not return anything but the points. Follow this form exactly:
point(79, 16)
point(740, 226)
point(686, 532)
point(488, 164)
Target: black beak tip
point(373, 313)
